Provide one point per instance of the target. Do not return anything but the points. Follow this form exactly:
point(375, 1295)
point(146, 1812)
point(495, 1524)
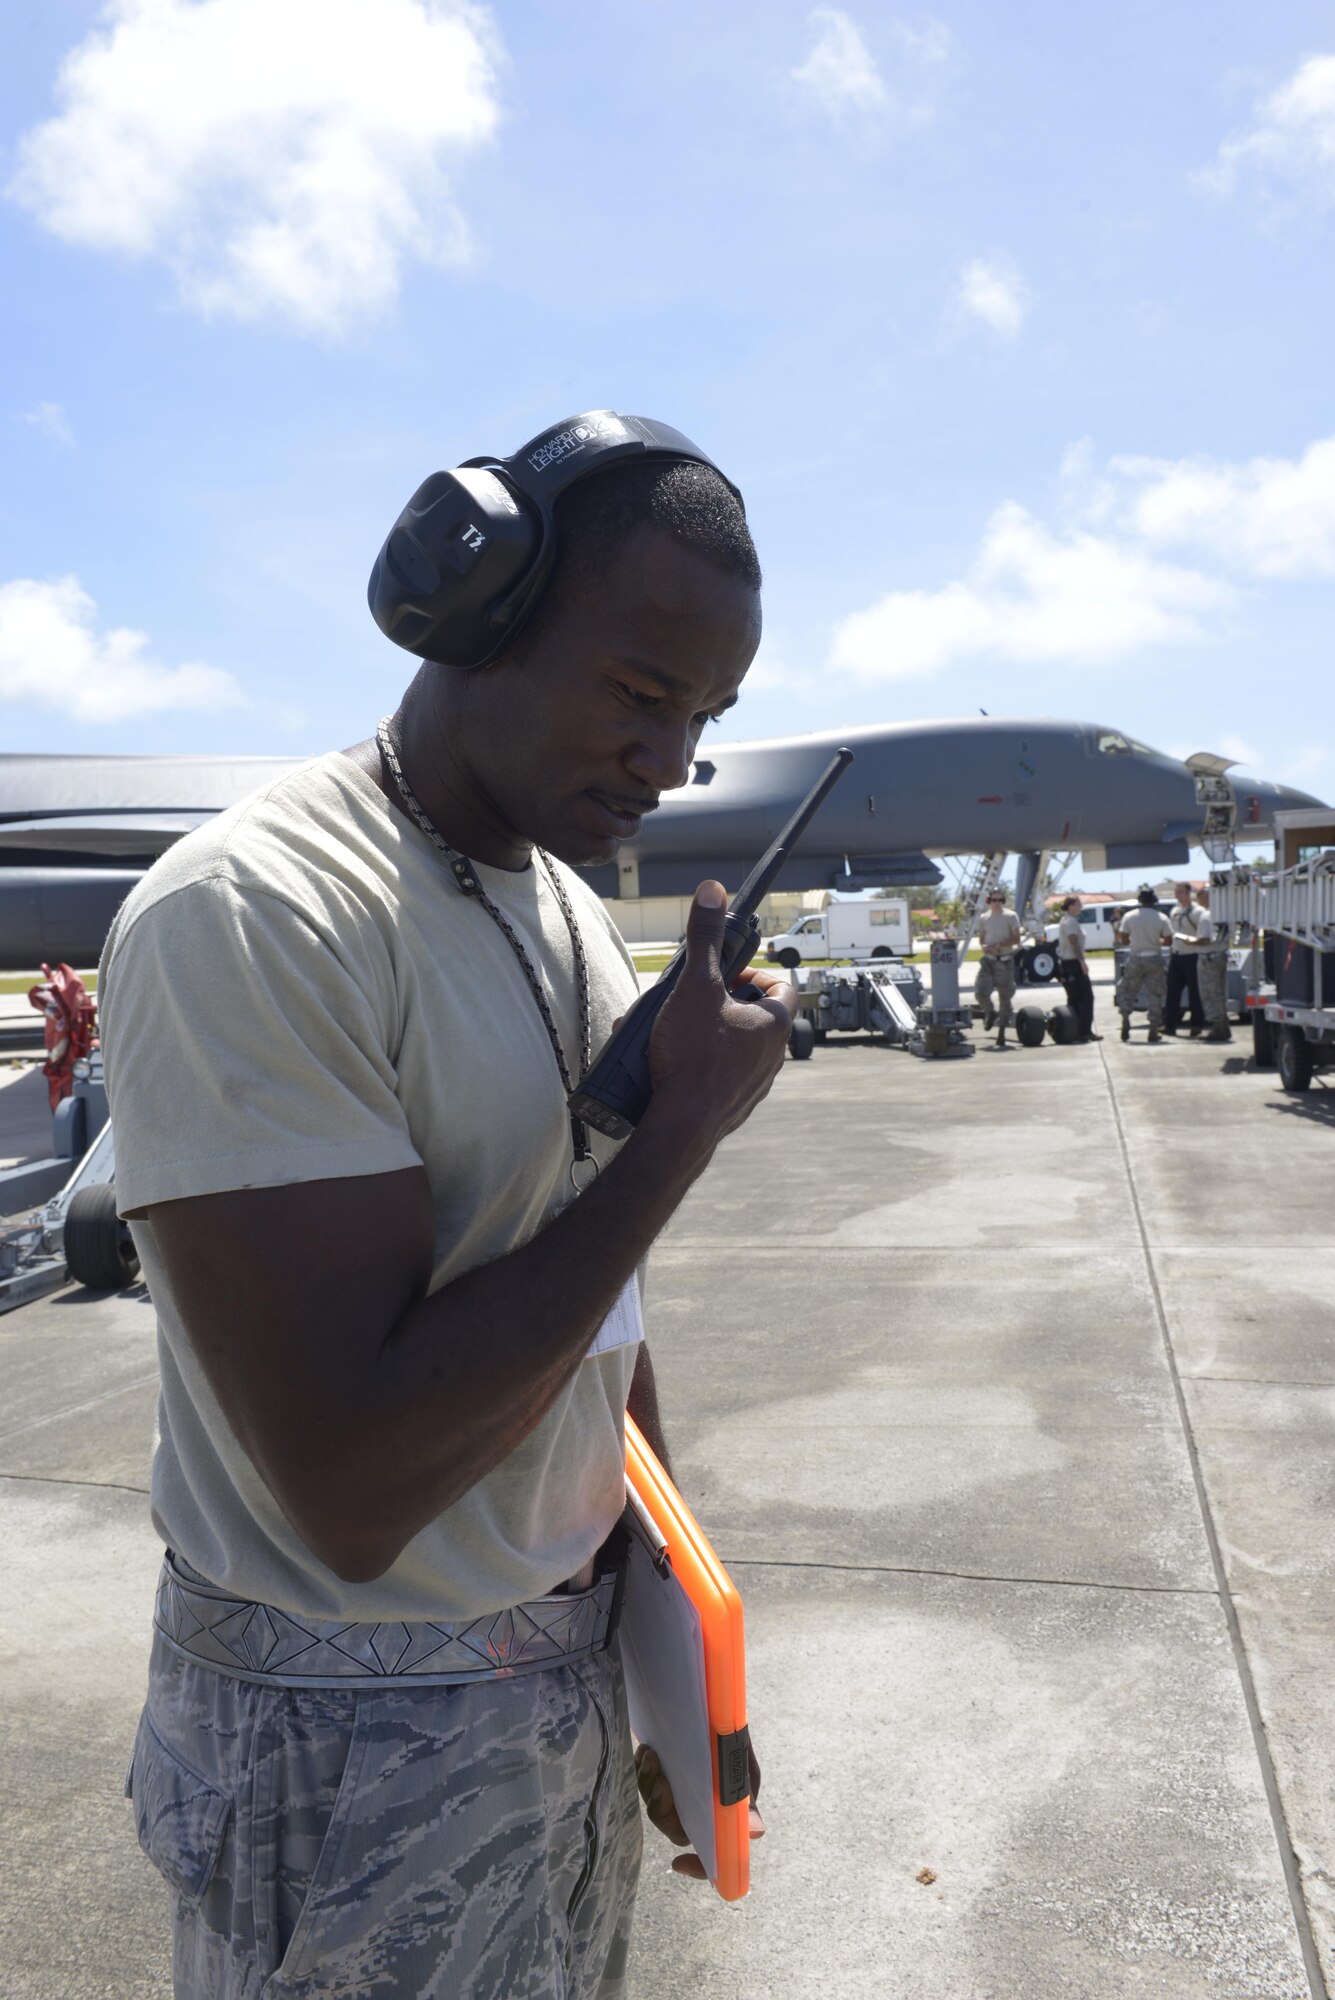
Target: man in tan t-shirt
point(385, 1748)
point(1143, 980)
point(999, 935)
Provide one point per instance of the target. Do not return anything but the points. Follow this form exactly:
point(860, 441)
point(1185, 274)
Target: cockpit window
point(1112, 743)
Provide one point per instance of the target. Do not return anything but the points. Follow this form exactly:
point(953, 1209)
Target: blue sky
point(1014, 325)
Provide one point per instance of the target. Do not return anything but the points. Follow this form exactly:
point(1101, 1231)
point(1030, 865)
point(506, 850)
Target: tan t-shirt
point(1146, 930)
point(1000, 932)
point(298, 992)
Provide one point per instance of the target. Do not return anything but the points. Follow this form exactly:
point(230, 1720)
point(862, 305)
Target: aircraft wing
point(109, 834)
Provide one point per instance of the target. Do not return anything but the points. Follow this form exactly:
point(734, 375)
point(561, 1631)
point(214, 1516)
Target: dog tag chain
point(466, 877)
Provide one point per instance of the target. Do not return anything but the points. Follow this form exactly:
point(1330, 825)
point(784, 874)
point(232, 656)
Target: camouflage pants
point(479, 1842)
point(1144, 983)
point(998, 973)
point(1212, 975)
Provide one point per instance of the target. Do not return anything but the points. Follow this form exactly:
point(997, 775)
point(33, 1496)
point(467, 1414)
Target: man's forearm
point(468, 1372)
point(642, 1405)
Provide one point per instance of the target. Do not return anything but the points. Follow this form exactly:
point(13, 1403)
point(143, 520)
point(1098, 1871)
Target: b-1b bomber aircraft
point(77, 832)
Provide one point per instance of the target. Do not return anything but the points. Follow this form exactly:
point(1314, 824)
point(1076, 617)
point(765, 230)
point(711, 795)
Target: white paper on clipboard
point(663, 1654)
point(624, 1325)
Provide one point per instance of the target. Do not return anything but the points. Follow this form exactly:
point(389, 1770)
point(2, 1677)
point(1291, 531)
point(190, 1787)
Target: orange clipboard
point(683, 1650)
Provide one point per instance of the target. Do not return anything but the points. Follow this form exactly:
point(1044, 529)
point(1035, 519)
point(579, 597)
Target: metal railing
point(1297, 902)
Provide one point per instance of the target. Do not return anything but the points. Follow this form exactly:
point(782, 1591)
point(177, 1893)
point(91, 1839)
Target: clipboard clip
point(641, 1524)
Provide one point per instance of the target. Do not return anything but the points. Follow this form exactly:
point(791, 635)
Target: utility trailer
point(888, 1001)
point(1283, 917)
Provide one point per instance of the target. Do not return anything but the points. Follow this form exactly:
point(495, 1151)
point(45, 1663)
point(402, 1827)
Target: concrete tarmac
point(1006, 1389)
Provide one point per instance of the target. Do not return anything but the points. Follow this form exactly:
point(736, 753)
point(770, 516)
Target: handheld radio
point(615, 1093)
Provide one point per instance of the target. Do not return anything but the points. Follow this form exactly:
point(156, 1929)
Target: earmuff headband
point(463, 567)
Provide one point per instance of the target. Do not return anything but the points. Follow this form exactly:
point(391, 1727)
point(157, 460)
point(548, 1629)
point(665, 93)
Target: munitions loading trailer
point(887, 1001)
point(1284, 919)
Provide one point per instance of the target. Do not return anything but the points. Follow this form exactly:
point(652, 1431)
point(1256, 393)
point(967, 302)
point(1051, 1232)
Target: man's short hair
point(996, 896)
point(690, 503)
point(1069, 901)
point(1180, 886)
point(1148, 899)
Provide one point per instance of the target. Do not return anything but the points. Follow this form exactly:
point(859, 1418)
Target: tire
point(801, 1038)
point(1263, 1041)
point(1030, 1027)
point(1063, 1026)
point(1040, 965)
point(1293, 1059)
point(789, 959)
point(98, 1247)
point(882, 951)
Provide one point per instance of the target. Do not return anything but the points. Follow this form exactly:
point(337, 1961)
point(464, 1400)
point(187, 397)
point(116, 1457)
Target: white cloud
point(840, 72)
point(51, 652)
point(51, 421)
point(1150, 552)
point(1265, 517)
point(285, 158)
point(991, 289)
point(1036, 596)
point(932, 43)
point(1292, 139)
point(844, 80)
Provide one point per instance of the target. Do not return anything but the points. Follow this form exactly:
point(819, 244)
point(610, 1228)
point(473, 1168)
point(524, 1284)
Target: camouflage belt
point(258, 1642)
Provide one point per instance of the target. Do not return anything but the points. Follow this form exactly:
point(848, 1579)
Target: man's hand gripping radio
point(615, 1093)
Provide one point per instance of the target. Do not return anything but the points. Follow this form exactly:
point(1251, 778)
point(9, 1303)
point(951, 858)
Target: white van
point(856, 927)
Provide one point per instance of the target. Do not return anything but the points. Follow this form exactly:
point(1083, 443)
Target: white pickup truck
point(857, 928)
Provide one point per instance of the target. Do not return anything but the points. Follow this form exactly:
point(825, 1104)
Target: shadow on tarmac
point(82, 1295)
point(1318, 1110)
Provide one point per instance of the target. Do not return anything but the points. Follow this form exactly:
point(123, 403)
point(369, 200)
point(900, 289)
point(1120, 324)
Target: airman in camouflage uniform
point(999, 935)
point(1212, 974)
point(1144, 977)
point(386, 1750)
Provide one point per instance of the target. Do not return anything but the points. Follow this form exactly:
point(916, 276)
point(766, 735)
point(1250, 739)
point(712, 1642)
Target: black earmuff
point(464, 565)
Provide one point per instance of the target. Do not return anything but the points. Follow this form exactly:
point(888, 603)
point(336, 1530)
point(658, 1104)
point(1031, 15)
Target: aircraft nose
point(1258, 800)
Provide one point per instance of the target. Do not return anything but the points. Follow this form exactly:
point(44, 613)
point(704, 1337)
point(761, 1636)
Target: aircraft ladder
point(975, 887)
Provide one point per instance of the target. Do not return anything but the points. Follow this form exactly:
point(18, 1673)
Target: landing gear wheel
point(1040, 965)
point(1263, 1041)
point(1063, 1026)
point(99, 1249)
point(801, 1038)
point(1293, 1059)
point(1029, 1027)
point(789, 959)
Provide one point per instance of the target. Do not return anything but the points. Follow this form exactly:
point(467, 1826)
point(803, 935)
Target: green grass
point(19, 982)
point(645, 961)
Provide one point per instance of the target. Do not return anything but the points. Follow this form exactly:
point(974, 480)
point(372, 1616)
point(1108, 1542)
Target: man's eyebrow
point(670, 683)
